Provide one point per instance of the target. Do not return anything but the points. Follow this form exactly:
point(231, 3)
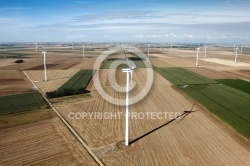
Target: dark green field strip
point(239, 84)
point(79, 80)
point(180, 76)
point(139, 64)
point(84, 80)
point(21, 102)
point(237, 122)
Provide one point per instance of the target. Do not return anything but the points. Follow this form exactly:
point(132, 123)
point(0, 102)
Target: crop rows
point(79, 80)
point(21, 102)
point(239, 84)
point(180, 76)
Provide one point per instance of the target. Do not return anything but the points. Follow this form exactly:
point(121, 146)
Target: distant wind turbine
point(205, 50)
point(82, 51)
point(44, 63)
point(197, 57)
point(236, 54)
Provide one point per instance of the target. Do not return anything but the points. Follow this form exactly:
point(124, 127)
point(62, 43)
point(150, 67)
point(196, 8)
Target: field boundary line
point(68, 125)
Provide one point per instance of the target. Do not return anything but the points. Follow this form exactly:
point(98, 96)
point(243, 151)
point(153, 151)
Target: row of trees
point(66, 92)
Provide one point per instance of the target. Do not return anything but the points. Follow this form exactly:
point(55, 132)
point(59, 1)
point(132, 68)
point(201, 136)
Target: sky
point(163, 21)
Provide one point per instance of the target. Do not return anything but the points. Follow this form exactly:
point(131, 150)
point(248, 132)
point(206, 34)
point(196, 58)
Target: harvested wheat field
point(56, 78)
point(42, 143)
point(194, 139)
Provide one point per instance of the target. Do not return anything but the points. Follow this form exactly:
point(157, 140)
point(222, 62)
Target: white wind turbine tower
point(236, 54)
point(82, 51)
point(197, 56)
point(205, 50)
point(127, 70)
point(44, 61)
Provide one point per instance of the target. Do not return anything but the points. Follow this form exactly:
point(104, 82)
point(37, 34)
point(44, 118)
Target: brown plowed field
point(13, 82)
point(42, 143)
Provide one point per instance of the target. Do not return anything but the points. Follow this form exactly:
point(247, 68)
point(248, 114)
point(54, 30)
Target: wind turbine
point(236, 54)
point(148, 50)
point(44, 61)
point(127, 70)
point(82, 51)
point(197, 57)
point(205, 50)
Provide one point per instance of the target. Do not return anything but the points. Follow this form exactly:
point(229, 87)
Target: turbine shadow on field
point(184, 114)
point(187, 113)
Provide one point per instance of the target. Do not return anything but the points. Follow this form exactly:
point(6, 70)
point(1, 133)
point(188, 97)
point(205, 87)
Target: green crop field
point(239, 84)
point(180, 76)
point(140, 63)
point(21, 102)
point(79, 80)
point(227, 103)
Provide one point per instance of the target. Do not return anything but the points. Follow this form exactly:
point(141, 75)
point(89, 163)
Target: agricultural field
point(207, 131)
point(239, 84)
point(79, 80)
point(216, 97)
point(14, 82)
point(194, 139)
point(42, 143)
point(26, 117)
point(56, 78)
point(21, 102)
